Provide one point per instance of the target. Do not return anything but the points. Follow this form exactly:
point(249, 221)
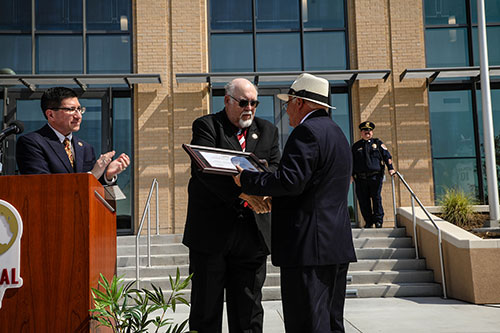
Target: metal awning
point(83, 80)
point(446, 72)
point(339, 75)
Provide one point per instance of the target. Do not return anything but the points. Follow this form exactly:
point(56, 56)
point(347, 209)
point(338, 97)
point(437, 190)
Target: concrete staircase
point(386, 265)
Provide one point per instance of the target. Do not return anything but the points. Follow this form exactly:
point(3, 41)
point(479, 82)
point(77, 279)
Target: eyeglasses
point(243, 103)
point(284, 106)
point(80, 109)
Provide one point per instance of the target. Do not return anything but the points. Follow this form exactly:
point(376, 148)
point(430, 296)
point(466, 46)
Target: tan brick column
point(170, 37)
point(388, 34)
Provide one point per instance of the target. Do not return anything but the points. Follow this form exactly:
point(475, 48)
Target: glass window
point(59, 15)
point(341, 114)
point(445, 12)
point(122, 143)
point(455, 173)
point(59, 54)
point(446, 47)
point(495, 108)
point(493, 36)
point(108, 15)
point(30, 113)
point(231, 15)
point(452, 129)
point(231, 53)
point(323, 14)
point(109, 54)
point(16, 53)
point(324, 50)
point(278, 52)
point(277, 14)
point(15, 15)
point(491, 8)
point(265, 110)
point(90, 128)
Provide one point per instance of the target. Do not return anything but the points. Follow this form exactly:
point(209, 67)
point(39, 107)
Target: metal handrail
point(146, 212)
point(440, 243)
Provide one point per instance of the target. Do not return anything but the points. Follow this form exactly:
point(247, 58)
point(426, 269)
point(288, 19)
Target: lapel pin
point(254, 136)
point(80, 144)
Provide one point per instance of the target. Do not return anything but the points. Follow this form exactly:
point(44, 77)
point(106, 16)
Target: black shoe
point(378, 225)
point(368, 226)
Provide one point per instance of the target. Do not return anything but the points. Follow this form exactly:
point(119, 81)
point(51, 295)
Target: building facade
point(387, 62)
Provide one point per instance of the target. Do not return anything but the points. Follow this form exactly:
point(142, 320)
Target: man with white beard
point(228, 232)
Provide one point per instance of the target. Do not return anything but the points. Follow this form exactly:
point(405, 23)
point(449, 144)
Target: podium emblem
point(11, 230)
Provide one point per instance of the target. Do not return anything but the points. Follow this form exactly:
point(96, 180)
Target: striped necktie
point(241, 138)
point(67, 148)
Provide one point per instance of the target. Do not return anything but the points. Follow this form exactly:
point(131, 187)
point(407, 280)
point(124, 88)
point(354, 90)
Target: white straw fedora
point(309, 87)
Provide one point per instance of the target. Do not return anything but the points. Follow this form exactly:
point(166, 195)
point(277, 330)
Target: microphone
point(15, 127)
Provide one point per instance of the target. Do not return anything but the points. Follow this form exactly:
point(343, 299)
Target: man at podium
point(54, 149)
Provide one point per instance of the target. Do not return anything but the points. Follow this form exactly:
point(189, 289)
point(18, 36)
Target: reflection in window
point(59, 54)
point(15, 15)
point(18, 55)
point(495, 108)
point(324, 50)
point(455, 173)
point(452, 129)
point(231, 15)
point(90, 128)
point(445, 12)
point(231, 53)
point(446, 47)
point(122, 143)
point(278, 52)
point(59, 15)
point(277, 14)
point(109, 54)
point(108, 15)
point(325, 14)
point(30, 113)
point(493, 36)
point(491, 9)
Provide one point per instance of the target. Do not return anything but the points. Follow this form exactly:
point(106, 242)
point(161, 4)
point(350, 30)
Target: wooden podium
point(69, 238)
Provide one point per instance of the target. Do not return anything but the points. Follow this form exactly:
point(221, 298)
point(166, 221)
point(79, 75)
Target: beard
point(245, 123)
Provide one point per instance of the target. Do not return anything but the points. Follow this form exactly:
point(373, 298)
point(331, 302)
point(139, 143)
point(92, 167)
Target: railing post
point(149, 234)
point(157, 210)
point(443, 277)
point(414, 225)
point(394, 202)
point(137, 280)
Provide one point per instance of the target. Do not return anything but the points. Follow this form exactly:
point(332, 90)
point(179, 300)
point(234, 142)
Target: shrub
point(457, 208)
point(125, 309)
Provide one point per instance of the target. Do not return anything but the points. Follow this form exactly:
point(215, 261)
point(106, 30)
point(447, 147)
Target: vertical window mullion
point(84, 35)
point(33, 41)
point(469, 32)
point(477, 142)
point(254, 34)
point(302, 61)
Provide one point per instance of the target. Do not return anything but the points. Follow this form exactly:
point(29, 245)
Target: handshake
point(259, 204)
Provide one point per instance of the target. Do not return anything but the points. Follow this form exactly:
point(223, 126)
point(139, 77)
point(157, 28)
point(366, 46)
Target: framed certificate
point(223, 161)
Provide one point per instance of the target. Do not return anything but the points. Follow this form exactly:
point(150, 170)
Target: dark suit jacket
point(213, 204)
point(41, 152)
point(310, 220)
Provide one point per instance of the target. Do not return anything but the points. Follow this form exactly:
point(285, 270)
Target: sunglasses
point(243, 103)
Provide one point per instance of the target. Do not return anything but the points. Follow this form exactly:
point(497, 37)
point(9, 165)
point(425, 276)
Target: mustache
point(246, 113)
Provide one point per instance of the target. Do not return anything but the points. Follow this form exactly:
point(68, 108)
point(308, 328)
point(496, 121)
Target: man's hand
point(392, 172)
point(258, 204)
point(101, 164)
point(117, 166)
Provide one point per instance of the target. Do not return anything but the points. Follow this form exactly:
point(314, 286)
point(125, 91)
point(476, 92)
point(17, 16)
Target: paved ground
point(409, 314)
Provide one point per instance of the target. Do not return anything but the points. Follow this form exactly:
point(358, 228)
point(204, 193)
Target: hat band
point(308, 94)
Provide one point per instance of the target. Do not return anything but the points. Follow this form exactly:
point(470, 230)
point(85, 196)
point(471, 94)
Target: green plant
point(126, 309)
point(457, 208)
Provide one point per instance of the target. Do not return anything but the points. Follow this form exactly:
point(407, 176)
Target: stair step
point(398, 290)
point(385, 253)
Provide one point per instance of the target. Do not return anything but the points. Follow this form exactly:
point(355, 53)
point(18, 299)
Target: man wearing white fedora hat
point(310, 231)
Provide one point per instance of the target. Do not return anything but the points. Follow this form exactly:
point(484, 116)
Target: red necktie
point(67, 147)
point(241, 138)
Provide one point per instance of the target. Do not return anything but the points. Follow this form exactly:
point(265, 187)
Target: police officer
point(369, 157)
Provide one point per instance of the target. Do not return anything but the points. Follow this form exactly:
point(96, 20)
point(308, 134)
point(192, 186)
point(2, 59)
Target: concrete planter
point(471, 264)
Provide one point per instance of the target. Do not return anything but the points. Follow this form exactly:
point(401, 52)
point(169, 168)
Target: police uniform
point(369, 159)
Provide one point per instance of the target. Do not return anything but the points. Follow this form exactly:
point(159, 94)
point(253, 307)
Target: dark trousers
point(370, 201)
point(313, 298)
point(241, 271)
